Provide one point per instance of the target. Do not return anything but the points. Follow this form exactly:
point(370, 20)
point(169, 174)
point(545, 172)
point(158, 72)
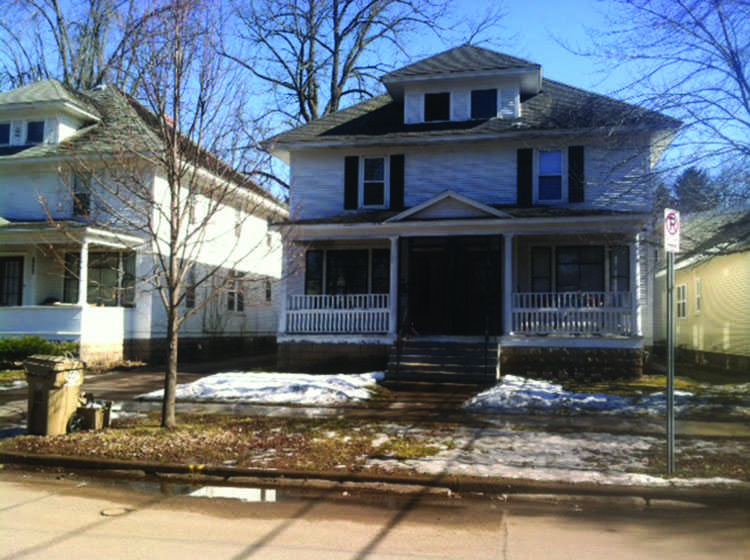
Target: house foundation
point(332, 357)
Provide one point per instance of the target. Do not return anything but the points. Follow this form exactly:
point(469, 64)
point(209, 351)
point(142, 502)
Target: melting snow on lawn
point(287, 388)
point(518, 395)
point(534, 455)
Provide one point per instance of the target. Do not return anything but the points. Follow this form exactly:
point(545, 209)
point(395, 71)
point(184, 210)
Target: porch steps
point(437, 361)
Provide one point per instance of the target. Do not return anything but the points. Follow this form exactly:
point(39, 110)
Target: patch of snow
point(276, 388)
point(518, 395)
point(19, 384)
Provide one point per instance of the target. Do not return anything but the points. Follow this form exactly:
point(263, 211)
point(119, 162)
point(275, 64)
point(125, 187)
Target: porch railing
point(573, 313)
point(325, 314)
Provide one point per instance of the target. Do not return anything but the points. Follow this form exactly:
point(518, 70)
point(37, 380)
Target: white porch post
point(635, 282)
point(83, 273)
point(508, 284)
point(283, 306)
point(393, 289)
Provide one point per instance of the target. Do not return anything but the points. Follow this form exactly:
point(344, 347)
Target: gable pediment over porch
point(448, 205)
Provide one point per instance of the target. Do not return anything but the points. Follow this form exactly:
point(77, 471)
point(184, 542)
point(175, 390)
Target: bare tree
point(314, 54)
point(151, 170)
point(82, 44)
point(690, 59)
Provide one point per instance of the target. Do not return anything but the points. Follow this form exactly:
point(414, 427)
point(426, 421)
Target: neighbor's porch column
point(508, 283)
point(83, 273)
point(635, 283)
point(393, 288)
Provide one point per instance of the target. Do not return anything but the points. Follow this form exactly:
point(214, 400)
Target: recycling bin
point(54, 392)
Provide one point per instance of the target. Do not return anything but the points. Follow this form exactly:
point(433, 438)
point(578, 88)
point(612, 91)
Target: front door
point(453, 285)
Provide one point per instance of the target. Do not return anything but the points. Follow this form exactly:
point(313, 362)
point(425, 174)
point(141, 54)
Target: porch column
point(508, 283)
point(635, 282)
point(83, 273)
point(393, 289)
point(283, 306)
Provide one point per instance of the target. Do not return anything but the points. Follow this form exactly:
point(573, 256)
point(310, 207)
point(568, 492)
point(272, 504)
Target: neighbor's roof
point(466, 58)
point(558, 107)
point(46, 91)
point(126, 128)
point(712, 232)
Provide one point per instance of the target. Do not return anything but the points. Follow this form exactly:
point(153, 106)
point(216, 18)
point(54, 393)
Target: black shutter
point(575, 174)
point(525, 177)
point(397, 182)
point(351, 182)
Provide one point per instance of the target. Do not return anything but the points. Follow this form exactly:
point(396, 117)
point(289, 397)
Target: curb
point(733, 497)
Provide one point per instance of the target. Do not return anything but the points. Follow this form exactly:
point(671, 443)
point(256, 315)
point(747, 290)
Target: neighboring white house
point(72, 269)
point(477, 219)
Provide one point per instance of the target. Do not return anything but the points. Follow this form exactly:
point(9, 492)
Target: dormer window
point(34, 132)
point(4, 134)
point(483, 103)
point(437, 106)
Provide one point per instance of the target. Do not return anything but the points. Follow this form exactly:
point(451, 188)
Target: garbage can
point(54, 390)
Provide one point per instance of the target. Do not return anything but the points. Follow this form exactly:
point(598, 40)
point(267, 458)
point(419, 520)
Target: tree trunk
point(170, 376)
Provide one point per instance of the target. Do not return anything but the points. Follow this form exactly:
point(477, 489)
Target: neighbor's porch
point(70, 283)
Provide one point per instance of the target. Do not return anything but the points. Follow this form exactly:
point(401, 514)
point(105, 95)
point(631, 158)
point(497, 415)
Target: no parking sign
point(671, 230)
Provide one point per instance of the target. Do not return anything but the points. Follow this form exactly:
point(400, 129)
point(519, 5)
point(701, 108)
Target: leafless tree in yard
point(691, 60)
point(153, 170)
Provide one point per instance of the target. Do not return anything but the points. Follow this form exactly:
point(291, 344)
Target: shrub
point(14, 350)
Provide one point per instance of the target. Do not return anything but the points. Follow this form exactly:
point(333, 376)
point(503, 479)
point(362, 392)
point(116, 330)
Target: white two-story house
point(476, 220)
point(73, 267)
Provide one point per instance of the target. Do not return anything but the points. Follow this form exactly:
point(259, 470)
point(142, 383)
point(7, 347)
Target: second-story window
point(373, 182)
point(4, 134)
point(81, 195)
point(437, 106)
point(483, 103)
point(34, 132)
point(550, 177)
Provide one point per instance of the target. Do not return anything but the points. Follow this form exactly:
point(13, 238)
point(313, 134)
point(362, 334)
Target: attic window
point(437, 106)
point(483, 103)
point(4, 134)
point(34, 132)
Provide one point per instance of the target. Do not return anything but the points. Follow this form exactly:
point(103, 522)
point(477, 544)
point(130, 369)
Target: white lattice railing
point(347, 314)
point(573, 313)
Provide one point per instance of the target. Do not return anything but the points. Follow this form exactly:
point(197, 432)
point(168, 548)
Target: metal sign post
point(672, 246)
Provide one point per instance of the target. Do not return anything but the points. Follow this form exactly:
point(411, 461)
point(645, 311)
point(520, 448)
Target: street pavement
point(64, 516)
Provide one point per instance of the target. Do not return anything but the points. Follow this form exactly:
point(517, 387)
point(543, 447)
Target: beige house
point(712, 291)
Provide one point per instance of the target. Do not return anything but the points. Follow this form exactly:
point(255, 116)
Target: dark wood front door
point(454, 285)
point(11, 281)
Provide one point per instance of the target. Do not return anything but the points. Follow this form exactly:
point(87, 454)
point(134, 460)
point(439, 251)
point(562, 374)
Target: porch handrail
point(339, 314)
point(587, 313)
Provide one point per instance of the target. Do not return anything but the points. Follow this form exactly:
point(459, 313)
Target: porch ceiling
point(64, 232)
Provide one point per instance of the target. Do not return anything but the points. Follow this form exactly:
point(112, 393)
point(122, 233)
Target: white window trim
point(451, 101)
point(698, 296)
point(564, 179)
point(386, 182)
point(681, 300)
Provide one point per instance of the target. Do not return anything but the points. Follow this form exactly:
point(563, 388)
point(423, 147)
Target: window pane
point(11, 273)
point(374, 194)
point(70, 284)
point(541, 269)
point(346, 272)
point(550, 163)
point(314, 273)
point(35, 132)
point(550, 188)
point(127, 295)
point(437, 106)
point(580, 269)
point(381, 271)
point(374, 169)
point(619, 269)
point(483, 103)
point(4, 133)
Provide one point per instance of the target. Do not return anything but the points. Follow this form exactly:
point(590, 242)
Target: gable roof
point(44, 92)
point(466, 58)
point(449, 204)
